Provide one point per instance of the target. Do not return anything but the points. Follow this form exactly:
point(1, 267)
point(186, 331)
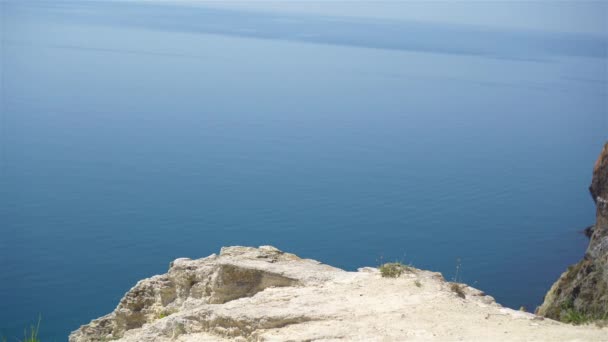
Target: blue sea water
point(132, 134)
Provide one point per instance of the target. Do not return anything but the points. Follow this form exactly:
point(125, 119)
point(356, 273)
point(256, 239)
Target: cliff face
point(581, 292)
point(264, 294)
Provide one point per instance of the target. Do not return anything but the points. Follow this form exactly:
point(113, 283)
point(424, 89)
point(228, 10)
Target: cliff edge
point(264, 294)
point(581, 293)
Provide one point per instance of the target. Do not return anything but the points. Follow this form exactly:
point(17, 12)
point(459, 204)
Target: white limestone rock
point(264, 294)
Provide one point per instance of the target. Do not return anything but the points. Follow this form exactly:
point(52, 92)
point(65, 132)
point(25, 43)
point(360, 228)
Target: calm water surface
point(134, 134)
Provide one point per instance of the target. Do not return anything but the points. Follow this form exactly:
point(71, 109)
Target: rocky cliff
point(264, 294)
point(581, 293)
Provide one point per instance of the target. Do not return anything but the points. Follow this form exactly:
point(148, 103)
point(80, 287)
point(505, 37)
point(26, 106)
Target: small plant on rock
point(575, 317)
point(164, 313)
point(393, 269)
point(457, 289)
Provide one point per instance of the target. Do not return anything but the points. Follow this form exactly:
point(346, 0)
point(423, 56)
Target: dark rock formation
point(581, 293)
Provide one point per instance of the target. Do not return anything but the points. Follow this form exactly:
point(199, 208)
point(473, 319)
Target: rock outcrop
point(581, 293)
point(264, 294)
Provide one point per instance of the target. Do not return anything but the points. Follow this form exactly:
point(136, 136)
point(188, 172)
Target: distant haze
point(559, 16)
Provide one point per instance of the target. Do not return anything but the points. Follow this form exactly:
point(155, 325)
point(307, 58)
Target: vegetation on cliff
point(580, 295)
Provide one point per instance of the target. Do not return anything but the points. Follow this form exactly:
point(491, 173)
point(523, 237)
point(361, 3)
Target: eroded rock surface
point(582, 291)
point(264, 294)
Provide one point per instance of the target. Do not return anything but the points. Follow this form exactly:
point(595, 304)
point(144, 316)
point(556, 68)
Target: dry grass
point(457, 289)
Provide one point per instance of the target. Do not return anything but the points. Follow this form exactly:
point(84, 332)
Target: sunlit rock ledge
point(264, 294)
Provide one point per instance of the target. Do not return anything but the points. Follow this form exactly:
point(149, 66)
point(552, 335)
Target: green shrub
point(575, 317)
point(569, 314)
point(393, 269)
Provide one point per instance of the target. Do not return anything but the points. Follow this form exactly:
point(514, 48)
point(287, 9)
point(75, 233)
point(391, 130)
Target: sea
point(135, 133)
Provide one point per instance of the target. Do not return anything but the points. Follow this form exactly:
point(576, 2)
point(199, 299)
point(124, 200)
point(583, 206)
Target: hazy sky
point(546, 15)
